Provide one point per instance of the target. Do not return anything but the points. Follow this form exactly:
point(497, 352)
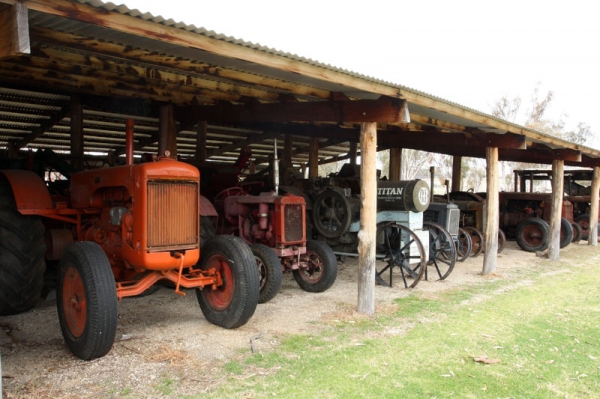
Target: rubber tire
point(566, 232)
point(241, 264)
point(544, 228)
point(22, 250)
point(345, 222)
point(329, 269)
point(101, 302)
point(271, 275)
point(585, 226)
point(577, 232)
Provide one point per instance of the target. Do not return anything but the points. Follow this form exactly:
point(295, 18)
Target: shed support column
point(353, 152)
point(395, 164)
point(167, 136)
point(490, 257)
point(286, 159)
point(593, 237)
point(368, 216)
point(313, 157)
point(558, 166)
point(456, 173)
point(201, 133)
point(76, 115)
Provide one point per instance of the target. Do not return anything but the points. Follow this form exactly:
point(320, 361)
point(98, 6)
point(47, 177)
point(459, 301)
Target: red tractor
point(274, 226)
point(118, 232)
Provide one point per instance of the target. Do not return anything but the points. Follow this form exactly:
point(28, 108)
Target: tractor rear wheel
point(442, 253)
point(464, 245)
point(477, 241)
point(86, 300)
point(22, 250)
point(584, 222)
point(322, 268)
point(233, 303)
point(566, 232)
point(533, 234)
point(270, 272)
point(577, 232)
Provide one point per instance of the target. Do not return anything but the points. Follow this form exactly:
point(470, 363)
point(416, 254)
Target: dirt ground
point(165, 336)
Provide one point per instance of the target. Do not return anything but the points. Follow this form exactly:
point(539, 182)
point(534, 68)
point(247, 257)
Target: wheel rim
point(74, 301)
point(314, 272)
point(221, 297)
point(532, 235)
point(262, 272)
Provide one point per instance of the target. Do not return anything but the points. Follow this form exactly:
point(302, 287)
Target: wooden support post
point(490, 258)
point(14, 30)
point(167, 135)
point(395, 164)
point(76, 115)
point(201, 134)
point(286, 159)
point(516, 182)
point(593, 237)
point(368, 218)
point(456, 173)
point(353, 151)
point(251, 167)
point(558, 166)
point(313, 157)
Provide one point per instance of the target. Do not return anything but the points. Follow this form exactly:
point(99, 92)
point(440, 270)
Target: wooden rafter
point(44, 126)
point(14, 30)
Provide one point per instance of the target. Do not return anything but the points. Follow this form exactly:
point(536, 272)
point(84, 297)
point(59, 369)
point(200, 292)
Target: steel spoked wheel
point(532, 234)
point(321, 268)
point(87, 300)
point(232, 303)
point(269, 271)
point(331, 214)
point(442, 253)
point(476, 239)
point(464, 244)
point(400, 248)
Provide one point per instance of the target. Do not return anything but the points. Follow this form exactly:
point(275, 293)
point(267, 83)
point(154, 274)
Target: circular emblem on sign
point(423, 195)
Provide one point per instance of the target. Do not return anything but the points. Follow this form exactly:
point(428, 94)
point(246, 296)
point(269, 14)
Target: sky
point(471, 52)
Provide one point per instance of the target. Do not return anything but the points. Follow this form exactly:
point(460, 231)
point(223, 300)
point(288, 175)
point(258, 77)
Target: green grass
point(542, 326)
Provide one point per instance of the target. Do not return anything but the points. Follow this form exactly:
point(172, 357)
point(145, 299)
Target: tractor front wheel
point(322, 268)
point(87, 300)
point(269, 270)
point(533, 234)
point(231, 304)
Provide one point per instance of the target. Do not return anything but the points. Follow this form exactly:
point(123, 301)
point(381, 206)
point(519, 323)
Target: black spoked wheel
point(464, 244)
point(233, 303)
point(577, 232)
point(399, 248)
point(476, 239)
point(22, 251)
point(87, 300)
point(533, 234)
point(331, 214)
point(269, 272)
point(442, 253)
point(321, 267)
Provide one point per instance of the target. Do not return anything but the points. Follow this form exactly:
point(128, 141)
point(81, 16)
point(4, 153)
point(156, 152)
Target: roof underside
point(119, 63)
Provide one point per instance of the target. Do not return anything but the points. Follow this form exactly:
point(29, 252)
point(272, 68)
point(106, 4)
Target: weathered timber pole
point(313, 157)
point(593, 236)
point(395, 164)
point(353, 152)
point(368, 224)
point(14, 29)
point(286, 159)
point(201, 134)
point(558, 166)
point(76, 114)
point(456, 173)
point(167, 135)
point(490, 257)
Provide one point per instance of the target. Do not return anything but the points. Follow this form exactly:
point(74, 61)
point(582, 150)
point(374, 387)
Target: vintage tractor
point(274, 226)
point(120, 230)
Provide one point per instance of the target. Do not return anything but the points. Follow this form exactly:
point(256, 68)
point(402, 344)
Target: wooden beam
point(14, 30)
point(556, 208)
point(368, 219)
point(456, 173)
point(313, 157)
point(594, 204)
point(395, 164)
point(490, 258)
point(385, 109)
point(76, 133)
point(46, 125)
point(167, 136)
point(253, 139)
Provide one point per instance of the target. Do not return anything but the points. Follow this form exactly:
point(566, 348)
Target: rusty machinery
point(119, 231)
point(402, 242)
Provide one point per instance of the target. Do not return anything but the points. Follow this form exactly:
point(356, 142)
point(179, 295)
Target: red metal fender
point(30, 191)
point(206, 208)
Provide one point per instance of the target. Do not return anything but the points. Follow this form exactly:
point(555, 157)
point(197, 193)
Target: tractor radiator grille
point(293, 223)
point(172, 214)
point(453, 221)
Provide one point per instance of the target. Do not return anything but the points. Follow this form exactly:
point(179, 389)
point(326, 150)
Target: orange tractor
point(120, 230)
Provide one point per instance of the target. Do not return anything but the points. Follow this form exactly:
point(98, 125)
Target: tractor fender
point(29, 190)
point(206, 208)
